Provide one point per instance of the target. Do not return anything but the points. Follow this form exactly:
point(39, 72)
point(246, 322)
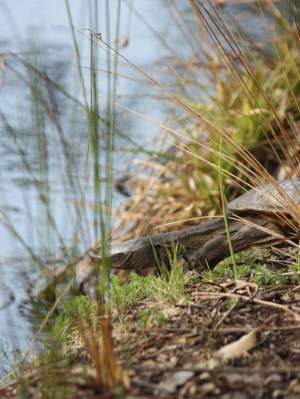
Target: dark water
point(46, 191)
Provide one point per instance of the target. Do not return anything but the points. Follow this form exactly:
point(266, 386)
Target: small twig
point(212, 283)
point(296, 288)
point(210, 295)
point(223, 369)
point(226, 314)
point(224, 330)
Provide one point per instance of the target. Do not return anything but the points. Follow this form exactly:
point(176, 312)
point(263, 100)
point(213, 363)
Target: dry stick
point(224, 317)
point(210, 295)
point(224, 369)
point(235, 304)
point(222, 330)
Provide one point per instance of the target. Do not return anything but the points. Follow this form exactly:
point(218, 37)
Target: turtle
point(269, 198)
point(263, 216)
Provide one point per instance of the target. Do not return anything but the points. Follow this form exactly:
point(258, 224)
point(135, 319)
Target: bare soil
point(177, 356)
point(172, 361)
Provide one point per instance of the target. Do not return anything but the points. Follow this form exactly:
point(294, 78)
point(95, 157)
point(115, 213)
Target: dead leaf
point(209, 388)
point(237, 348)
point(233, 350)
point(179, 340)
point(171, 312)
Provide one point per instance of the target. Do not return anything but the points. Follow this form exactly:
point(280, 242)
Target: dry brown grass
point(249, 123)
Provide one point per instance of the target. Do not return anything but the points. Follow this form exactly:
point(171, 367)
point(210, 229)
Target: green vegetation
point(125, 295)
point(167, 288)
point(250, 270)
point(242, 135)
point(149, 318)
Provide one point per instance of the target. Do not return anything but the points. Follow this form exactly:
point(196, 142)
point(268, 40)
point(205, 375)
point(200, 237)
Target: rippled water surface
point(45, 174)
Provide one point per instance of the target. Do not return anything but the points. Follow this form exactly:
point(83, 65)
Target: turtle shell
point(268, 198)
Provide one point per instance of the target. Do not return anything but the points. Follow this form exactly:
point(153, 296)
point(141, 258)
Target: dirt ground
point(189, 354)
point(232, 339)
point(175, 360)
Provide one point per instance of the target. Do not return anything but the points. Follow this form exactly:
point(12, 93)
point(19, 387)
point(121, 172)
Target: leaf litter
point(203, 350)
point(227, 339)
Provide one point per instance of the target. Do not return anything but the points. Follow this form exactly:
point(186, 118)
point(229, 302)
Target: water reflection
point(47, 200)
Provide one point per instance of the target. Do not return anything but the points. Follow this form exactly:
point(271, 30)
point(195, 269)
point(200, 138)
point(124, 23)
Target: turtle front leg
point(244, 233)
